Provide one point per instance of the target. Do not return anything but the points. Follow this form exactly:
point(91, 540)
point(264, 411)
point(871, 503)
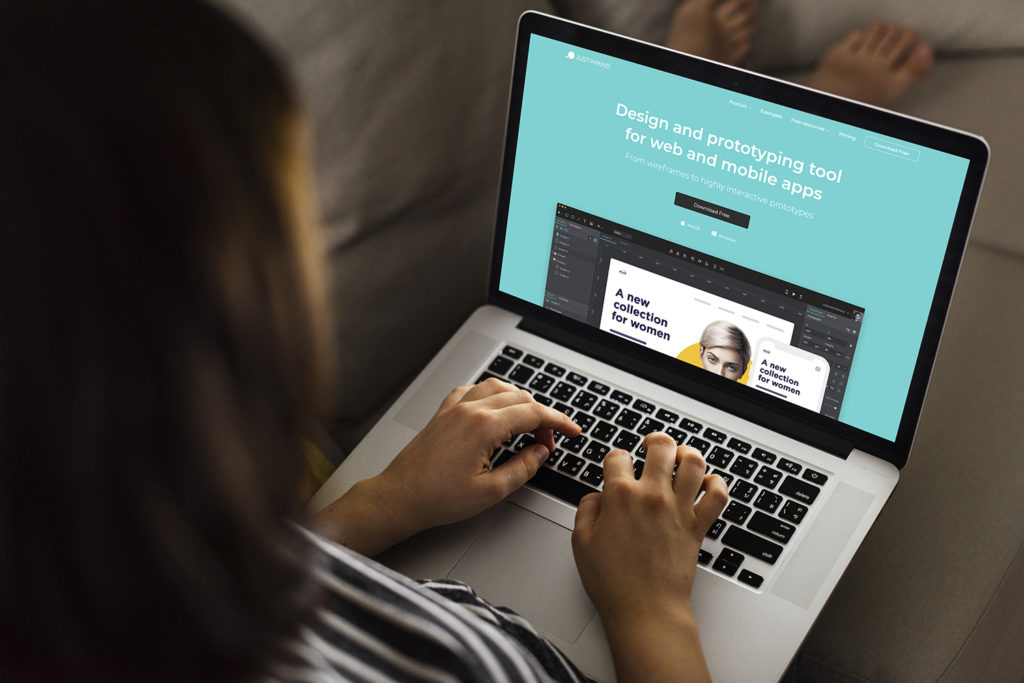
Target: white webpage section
point(669, 316)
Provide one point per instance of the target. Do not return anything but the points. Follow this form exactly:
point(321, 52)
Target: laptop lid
point(780, 253)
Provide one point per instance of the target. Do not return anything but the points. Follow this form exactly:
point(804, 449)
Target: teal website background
point(874, 239)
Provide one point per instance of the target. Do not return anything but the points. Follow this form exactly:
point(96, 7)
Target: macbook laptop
point(760, 270)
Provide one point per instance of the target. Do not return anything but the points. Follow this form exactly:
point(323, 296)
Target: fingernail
point(540, 452)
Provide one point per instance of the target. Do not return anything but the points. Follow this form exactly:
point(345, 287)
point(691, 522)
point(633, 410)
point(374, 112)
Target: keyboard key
point(751, 544)
point(545, 400)
point(739, 446)
point(627, 418)
point(524, 441)
point(554, 457)
point(511, 352)
point(793, 511)
point(750, 578)
point(562, 408)
point(593, 475)
point(571, 464)
point(584, 421)
point(763, 455)
point(743, 467)
point(533, 361)
point(501, 365)
point(627, 441)
point(643, 406)
point(577, 379)
point(724, 475)
point(542, 383)
point(716, 529)
point(599, 388)
point(714, 435)
point(595, 451)
point(803, 491)
point(698, 443)
point(677, 434)
point(521, 374)
point(563, 391)
point(743, 490)
point(768, 477)
point(728, 561)
point(556, 370)
point(604, 431)
point(771, 527)
point(691, 426)
point(736, 512)
point(666, 416)
point(606, 409)
point(622, 397)
point(815, 477)
point(584, 400)
point(503, 455)
point(703, 557)
point(649, 425)
point(574, 444)
point(719, 457)
point(768, 501)
point(638, 468)
point(790, 466)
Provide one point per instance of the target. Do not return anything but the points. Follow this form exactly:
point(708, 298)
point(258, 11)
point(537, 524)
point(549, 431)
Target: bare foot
point(876, 65)
point(718, 30)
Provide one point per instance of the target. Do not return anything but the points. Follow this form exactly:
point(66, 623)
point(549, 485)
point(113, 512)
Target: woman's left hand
point(444, 475)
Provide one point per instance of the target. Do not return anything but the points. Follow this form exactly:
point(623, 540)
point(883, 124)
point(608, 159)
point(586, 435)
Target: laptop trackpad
point(523, 561)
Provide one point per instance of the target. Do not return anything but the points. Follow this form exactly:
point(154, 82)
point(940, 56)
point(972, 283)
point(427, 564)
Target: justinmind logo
point(584, 59)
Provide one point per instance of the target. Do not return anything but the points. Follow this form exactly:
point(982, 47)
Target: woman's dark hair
point(159, 350)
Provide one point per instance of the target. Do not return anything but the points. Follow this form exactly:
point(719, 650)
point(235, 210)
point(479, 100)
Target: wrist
point(660, 642)
point(366, 519)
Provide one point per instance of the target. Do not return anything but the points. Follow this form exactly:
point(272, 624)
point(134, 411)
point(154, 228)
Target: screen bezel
point(823, 432)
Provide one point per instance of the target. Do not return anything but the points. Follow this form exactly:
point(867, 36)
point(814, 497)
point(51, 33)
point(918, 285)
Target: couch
point(407, 102)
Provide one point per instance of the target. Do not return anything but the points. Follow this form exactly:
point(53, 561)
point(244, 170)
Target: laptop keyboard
point(769, 495)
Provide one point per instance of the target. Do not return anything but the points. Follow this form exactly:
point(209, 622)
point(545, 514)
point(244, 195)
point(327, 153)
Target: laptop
point(761, 270)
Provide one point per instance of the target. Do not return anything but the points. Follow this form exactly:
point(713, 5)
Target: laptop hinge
point(765, 417)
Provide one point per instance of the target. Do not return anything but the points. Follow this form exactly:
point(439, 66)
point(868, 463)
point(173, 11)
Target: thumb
point(586, 514)
point(518, 469)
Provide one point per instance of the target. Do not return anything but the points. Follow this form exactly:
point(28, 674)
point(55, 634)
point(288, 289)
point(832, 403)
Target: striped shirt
point(373, 624)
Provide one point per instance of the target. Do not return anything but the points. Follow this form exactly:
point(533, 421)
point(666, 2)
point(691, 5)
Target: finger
point(489, 387)
point(529, 417)
point(690, 474)
point(711, 504)
point(502, 399)
point(546, 437)
point(454, 397)
point(661, 459)
point(618, 466)
point(587, 514)
point(518, 469)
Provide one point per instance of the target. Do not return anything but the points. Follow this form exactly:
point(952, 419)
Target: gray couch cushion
point(983, 95)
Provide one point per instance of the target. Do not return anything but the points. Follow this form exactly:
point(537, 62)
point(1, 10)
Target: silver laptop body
point(647, 197)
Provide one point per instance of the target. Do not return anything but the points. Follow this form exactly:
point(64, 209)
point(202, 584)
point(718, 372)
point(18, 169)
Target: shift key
point(752, 545)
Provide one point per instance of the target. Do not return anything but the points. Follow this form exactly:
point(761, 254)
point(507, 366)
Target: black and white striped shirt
point(373, 624)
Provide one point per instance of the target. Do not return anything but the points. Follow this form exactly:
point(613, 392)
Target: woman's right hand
point(636, 546)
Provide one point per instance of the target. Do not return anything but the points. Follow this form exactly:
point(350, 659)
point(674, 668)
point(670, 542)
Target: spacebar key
point(752, 545)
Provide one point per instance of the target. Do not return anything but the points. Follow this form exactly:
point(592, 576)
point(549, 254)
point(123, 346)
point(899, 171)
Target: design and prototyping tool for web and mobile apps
point(761, 243)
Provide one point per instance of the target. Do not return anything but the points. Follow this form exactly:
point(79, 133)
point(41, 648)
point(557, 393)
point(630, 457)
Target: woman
point(724, 350)
point(161, 357)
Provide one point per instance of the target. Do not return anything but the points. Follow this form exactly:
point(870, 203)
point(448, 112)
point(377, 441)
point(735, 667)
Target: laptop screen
point(792, 254)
